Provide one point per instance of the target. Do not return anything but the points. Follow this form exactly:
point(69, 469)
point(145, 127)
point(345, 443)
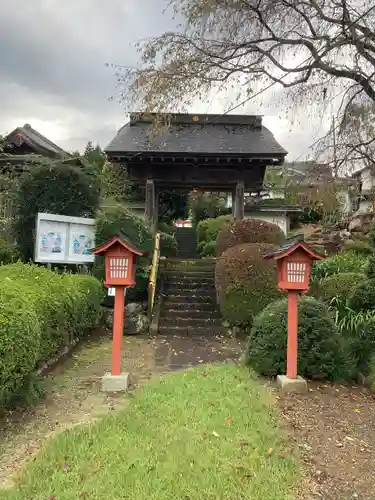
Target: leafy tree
point(55, 188)
point(95, 156)
point(314, 49)
point(204, 205)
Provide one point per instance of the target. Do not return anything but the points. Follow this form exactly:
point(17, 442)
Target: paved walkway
point(73, 393)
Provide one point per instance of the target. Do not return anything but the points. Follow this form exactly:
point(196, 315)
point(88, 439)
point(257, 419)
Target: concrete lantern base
point(115, 383)
point(289, 385)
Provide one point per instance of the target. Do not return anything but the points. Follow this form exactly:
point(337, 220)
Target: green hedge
point(245, 282)
point(321, 351)
point(40, 312)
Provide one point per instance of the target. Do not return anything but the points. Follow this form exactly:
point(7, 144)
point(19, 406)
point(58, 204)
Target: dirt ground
point(332, 427)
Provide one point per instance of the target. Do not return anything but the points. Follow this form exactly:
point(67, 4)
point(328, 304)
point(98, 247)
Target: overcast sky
point(53, 72)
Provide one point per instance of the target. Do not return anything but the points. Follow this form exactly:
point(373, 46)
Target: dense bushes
point(348, 261)
point(337, 285)
point(363, 297)
point(60, 189)
point(245, 282)
point(117, 219)
point(40, 311)
point(248, 231)
point(321, 352)
point(168, 245)
point(207, 231)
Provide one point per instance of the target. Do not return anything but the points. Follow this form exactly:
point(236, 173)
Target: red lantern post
point(294, 260)
point(120, 265)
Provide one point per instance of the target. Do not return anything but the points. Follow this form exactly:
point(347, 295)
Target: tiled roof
point(198, 134)
point(35, 139)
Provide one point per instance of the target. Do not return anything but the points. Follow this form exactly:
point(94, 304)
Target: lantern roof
point(290, 246)
point(121, 240)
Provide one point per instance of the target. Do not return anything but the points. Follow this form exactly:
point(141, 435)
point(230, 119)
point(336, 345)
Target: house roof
point(35, 140)
point(191, 134)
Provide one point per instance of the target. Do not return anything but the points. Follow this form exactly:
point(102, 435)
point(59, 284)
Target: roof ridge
point(27, 127)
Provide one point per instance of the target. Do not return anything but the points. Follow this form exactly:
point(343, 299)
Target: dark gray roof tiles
point(249, 138)
point(38, 140)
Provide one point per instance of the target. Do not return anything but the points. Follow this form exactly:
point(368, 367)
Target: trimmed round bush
point(340, 286)
point(348, 261)
point(245, 282)
point(168, 245)
point(248, 231)
point(117, 219)
point(363, 296)
point(321, 354)
point(59, 189)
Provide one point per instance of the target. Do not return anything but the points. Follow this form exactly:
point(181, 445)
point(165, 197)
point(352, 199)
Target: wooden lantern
point(120, 265)
point(119, 260)
point(294, 260)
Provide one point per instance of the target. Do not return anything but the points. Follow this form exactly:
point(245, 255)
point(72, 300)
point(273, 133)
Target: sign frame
point(68, 225)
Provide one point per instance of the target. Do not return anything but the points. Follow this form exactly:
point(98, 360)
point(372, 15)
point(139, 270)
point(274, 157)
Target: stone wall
point(332, 238)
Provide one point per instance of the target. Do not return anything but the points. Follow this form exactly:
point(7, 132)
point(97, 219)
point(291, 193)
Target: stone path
point(73, 393)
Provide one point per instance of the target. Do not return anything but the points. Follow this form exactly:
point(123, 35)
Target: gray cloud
point(53, 72)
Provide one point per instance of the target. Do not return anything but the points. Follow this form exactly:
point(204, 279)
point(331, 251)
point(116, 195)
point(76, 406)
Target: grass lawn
point(205, 433)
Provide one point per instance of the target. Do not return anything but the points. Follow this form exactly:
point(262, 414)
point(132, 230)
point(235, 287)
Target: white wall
point(281, 219)
point(367, 180)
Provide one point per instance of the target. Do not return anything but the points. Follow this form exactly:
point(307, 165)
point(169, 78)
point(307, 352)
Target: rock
point(136, 323)
point(133, 308)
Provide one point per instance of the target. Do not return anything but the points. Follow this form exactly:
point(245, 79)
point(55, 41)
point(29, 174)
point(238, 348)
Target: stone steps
point(189, 305)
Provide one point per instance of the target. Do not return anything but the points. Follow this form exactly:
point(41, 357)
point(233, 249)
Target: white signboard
point(61, 239)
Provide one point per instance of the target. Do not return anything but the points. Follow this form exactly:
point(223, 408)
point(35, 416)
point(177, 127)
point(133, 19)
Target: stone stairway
point(187, 242)
point(189, 298)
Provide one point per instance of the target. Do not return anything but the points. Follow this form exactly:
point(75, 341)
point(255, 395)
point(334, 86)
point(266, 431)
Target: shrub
point(60, 189)
point(371, 372)
point(344, 262)
point(8, 252)
point(208, 229)
point(358, 328)
point(248, 231)
point(359, 247)
point(208, 249)
point(340, 286)
point(40, 312)
point(370, 267)
point(168, 245)
point(245, 282)
point(363, 296)
point(117, 219)
point(321, 353)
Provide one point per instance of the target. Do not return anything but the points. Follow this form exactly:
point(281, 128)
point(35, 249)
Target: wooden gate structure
point(223, 153)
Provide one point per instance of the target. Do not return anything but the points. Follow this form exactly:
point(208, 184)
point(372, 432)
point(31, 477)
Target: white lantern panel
point(296, 272)
point(118, 267)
